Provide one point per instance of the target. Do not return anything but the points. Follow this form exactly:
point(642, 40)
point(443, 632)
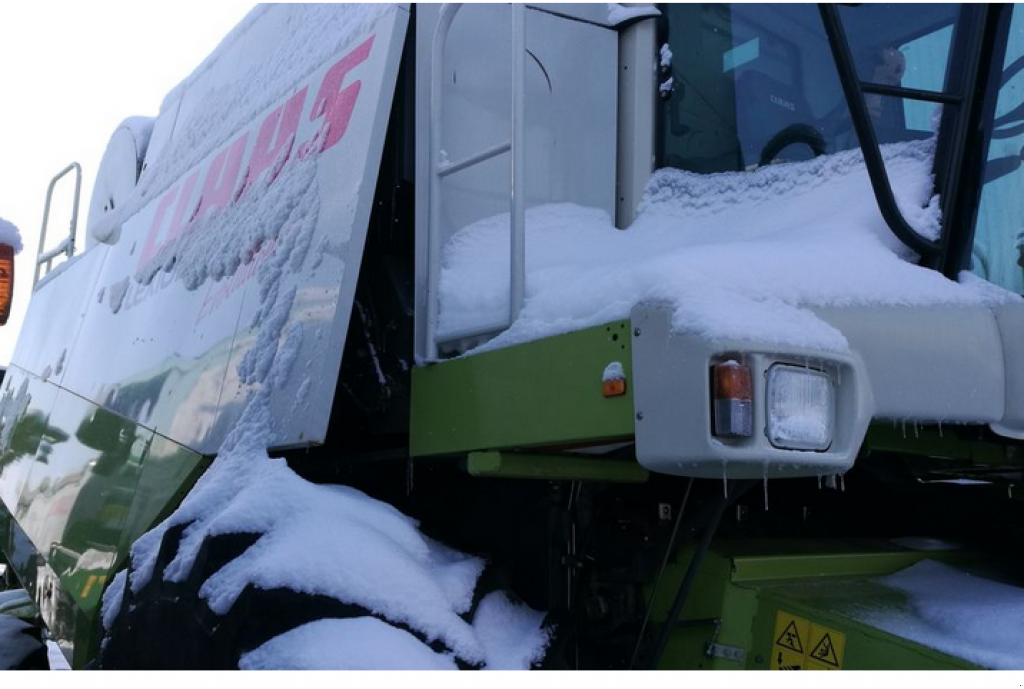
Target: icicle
point(842, 483)
point(819, 481)
point(940, 429)
point(766, 486)
point(725, 481)
point(904, 423)
point(916, 434)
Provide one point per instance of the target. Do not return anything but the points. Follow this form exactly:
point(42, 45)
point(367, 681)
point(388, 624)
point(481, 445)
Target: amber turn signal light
point(6, 281)
point(614, 388)
point(733, 408)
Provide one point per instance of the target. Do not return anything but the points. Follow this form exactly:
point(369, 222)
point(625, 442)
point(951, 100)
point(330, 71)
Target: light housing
point(733, 400)
point(800, 409)
point(6, 281)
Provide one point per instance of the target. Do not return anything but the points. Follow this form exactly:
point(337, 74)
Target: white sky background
point(69, 74)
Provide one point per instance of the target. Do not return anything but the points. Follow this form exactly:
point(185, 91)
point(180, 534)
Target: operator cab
point(757, 84)
point(753, 85)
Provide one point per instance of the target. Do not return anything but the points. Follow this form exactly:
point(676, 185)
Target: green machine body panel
point(746, 594)
point(78, 485)
point(546, 393)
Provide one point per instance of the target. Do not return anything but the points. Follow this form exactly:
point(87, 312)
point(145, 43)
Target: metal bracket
point(554, 467)
point(733, 653)
point(440, 169)
point(67, 245)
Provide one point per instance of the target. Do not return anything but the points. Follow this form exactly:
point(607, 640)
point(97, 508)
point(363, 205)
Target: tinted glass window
point(999, 232)
point(756, 84)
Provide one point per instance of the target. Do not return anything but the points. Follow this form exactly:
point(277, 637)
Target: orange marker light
point(613, 380)
point(6, 281)
point(614, 388)
point(732, 382)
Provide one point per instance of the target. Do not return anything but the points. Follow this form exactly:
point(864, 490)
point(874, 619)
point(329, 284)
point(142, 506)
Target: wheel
point(169, 625)
point(21, 645)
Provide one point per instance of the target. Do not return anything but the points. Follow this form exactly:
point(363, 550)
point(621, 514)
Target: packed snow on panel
point(739, 255)
point(9, 234)
point(613, 372)
point(507, 632)
point(618, 14)
point(665, 56)
point(964, 615)
point(308, 35)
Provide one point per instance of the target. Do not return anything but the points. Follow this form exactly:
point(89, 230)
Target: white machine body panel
point(163, 346)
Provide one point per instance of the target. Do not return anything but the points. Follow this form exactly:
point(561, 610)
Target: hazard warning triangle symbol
point(790, 638)
point(825, 652)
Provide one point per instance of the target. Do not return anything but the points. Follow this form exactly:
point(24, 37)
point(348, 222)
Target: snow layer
point(618, 14)
point(665, 56)
point(507, 633)
point(739, 255)
point(9, 234)
point(613, 372)
point(371, 645)
point(966, 616)
point(308, 35)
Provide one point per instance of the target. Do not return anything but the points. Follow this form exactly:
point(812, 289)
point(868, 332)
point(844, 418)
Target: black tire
point(33, 659)
point(168, 626)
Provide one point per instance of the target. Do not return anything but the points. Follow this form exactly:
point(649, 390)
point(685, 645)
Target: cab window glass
point(999, 231)
point(756, 84)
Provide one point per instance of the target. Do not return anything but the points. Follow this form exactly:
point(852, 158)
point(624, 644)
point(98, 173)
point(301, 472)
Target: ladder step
point(481, 157)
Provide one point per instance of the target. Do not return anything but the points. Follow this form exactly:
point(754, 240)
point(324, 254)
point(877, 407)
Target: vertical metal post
point(69, 241)
point(444, 23)
point(854, 91)
point(518, 228)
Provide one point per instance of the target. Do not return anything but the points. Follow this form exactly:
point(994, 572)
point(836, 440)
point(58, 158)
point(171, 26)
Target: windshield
point(999, 230)
point(751, 85)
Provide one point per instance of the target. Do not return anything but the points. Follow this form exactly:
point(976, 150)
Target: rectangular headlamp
point(801, 408)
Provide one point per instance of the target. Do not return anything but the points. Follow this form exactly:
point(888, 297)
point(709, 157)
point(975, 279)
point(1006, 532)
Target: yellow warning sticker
point(802, 645)
point(826, 649)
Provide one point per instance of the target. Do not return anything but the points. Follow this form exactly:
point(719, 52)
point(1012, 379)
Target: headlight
point(801, 408)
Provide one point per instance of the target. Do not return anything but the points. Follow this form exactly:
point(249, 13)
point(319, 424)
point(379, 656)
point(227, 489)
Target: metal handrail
point(439, 170)
point(854, 91)
point(67, 245)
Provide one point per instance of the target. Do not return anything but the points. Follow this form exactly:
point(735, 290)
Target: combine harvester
point(700, 327)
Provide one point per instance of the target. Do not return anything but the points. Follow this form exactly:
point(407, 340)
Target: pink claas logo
point(223, 180)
